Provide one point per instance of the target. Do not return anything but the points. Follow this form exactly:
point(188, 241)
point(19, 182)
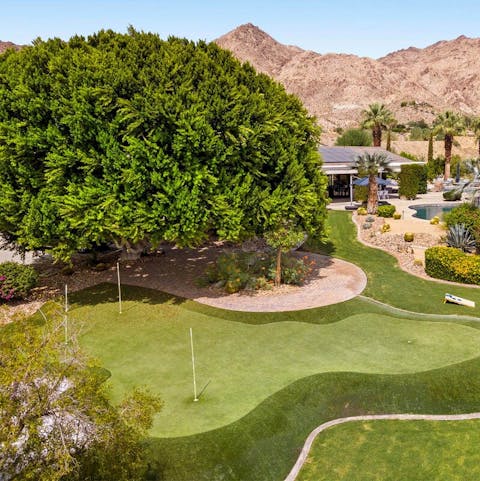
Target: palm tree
point(448, 124)
point(371, 165)
point(376, 117)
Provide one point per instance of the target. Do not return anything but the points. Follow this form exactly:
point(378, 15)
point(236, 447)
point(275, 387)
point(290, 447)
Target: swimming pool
point(427, 211)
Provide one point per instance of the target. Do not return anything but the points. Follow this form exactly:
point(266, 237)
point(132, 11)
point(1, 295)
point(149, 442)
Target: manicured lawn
point(244, 364)
point(394, 450)
point(386, 281)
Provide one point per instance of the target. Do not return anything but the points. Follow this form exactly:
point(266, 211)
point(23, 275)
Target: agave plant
point(460, 237)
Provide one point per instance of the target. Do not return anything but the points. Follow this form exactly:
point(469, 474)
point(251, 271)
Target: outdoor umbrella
point(364, 181)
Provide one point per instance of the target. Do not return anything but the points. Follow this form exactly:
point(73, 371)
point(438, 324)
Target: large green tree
point(376, 118)
point(130, 138)
point(56, 423)
point(448, 124)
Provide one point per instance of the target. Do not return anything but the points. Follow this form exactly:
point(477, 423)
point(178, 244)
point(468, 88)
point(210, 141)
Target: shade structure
point(364, 181)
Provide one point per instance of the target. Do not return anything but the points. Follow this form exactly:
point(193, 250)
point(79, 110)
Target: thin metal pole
point(193, 368)
point(119, 289)
point(65, 322)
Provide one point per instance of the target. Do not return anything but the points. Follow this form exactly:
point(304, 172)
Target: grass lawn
point(386, 281)
point(393, 450)
point(245, 363)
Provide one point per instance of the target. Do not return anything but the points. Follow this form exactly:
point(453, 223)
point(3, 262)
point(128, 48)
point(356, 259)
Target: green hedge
point(466, 214)
point(413, 180)
point(360, 193)
point(452, 265)
point(386, 210)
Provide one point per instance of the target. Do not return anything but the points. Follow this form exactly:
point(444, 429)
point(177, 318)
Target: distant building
point(339, 165)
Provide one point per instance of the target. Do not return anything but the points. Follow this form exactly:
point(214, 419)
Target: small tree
point(284, 238)
point(55, 419)
point(372, 164)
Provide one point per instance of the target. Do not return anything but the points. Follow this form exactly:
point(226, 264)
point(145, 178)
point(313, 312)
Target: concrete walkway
point(402, 417)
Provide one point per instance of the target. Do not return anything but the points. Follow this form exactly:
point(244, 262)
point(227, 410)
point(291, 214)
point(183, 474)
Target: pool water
point(427, 211)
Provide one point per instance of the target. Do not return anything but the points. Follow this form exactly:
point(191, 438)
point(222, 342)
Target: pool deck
point(408, 222)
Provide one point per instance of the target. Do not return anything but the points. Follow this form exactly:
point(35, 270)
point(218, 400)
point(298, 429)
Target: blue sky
point(367, 28)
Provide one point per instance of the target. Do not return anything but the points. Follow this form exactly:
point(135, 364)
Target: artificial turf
point(393, 450)
point(264, 443)
point(242, 363)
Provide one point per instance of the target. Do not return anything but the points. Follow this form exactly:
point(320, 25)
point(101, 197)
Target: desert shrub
point(369, 218)
point(16, 280)
point(435, 167)
point(254, 270)
point(397, 216)
point(362, 211)
point(367, 225)
point(408, 236)
point(385, 210)
point(459, 237)
point(454, 194)
point(407, 155)
point(355, 137)
point(452, 265)
point(435, 220)
point(466, 214)
point(385, 228)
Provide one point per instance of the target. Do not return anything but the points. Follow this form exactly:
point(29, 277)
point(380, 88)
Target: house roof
point(341, 160)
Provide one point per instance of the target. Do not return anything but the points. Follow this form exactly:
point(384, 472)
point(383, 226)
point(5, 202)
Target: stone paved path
point(403, 417)
point(332, 281)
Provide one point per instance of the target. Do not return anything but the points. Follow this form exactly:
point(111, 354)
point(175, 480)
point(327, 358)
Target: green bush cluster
point(466, 214)
point(386, 210)
point(413, 180)
point(16, 281)
point(452, 265)
point(355, 137)
point(255, 270)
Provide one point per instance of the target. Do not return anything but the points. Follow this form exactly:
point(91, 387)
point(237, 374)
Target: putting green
point(243, 364)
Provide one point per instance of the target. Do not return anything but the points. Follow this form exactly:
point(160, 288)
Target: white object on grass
point(459, 300)
point(195, 398)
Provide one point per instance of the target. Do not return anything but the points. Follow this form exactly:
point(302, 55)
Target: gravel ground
point(408, 254)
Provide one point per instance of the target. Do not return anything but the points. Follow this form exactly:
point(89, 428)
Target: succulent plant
point(362, 211)
point(385, 228)
point(367, 225)
point(397, 215)
point(370, 218)
point(435, 220)
point(459, 236)
point(408, 236)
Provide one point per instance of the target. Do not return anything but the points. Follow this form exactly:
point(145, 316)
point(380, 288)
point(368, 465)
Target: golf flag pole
point(195, 398)
point(65, 321)
point(119, 289)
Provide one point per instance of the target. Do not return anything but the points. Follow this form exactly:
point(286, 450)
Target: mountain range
point(415, 83)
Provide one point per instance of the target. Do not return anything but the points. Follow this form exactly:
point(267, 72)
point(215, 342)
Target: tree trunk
point(377, 135)
point(278, 271)
point(479, 148)
point(372, 202)
point(448, 155)
point(389, 140)
point(430, 148)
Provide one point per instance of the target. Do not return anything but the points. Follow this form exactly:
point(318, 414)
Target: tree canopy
point(376, 118)
point(128, 137)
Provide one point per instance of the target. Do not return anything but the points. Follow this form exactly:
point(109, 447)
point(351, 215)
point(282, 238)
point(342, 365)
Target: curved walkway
point(177, 272)
point(375, 417)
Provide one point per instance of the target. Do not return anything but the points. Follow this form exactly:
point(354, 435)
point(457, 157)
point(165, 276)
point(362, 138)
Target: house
point(339, 165)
